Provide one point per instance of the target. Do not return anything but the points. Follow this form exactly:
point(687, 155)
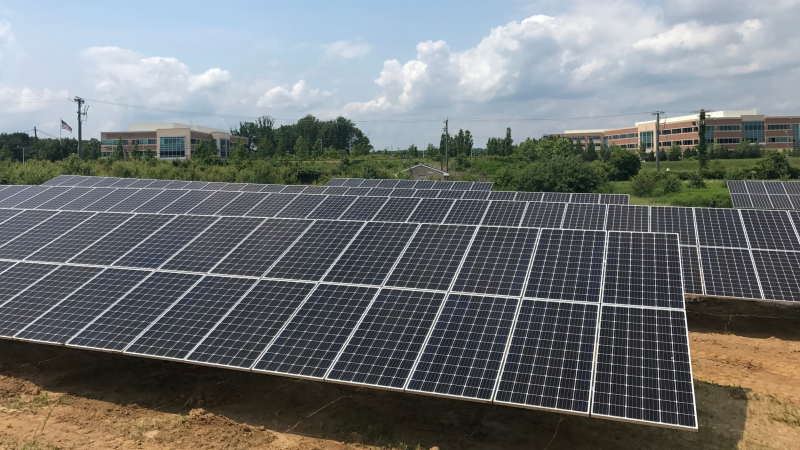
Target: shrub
point(713, 171)
point(696, 181)
point(645, 183)
point(671, 184)
point(559, 174)
point(774, 165)
point(626, 163)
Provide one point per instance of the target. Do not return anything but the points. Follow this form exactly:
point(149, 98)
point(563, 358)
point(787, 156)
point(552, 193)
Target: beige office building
point(168, 140)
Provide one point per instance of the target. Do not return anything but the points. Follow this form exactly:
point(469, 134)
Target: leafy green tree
point(119, 151)
point(359, 150)
point(265, 149)
point(301, 148)
point(702, 155)
point(662, 155)
point(240, 153)
point(281, 150)
point(775, 165)
point(605, 152)
point(508, 143)
point(578, 148)
point(651, 157)
point(626, 163)
point(431, 151)
point(412, 151)
point(591, 153)
point(135, 153)
point(718, 151)
point(642, 151)
point(6, 154)
point(689, 153)
point(204, 151)
point(316, 151)
point(674, 152)
point(559, 174)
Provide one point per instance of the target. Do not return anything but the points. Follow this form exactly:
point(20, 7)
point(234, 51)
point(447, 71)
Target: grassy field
point(690, 166)
point(715, 194)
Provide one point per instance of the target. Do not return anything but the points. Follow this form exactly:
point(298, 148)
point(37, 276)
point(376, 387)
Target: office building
point(168, 140)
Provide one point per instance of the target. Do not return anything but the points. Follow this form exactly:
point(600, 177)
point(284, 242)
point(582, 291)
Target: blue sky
point(397, 68)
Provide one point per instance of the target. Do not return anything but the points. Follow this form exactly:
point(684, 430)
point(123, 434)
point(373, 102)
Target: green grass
point(690, 166)
point(715, 191)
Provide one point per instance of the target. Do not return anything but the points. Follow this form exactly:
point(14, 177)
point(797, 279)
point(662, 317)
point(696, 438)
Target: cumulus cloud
point(345, 49)
point(300, 97)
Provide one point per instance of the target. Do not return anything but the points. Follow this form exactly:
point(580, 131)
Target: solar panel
point(301, 206)
point(397, 209)
point(643, 269)
point(442, 185)
point(335, 182)
point(124, 182)
point(580, 216)
point(272, 205)
point(19, 311)
point(117, 243)
point(372, 254)
point(97, 181)
point(791, 187)
point(736, 187)
point(332, 207)
point(160, 201)
point(643, 369)
point(777, 272)
point(140, 184)
point(136, 200)
point(370, 183)
point(242, 335)
point(178, 184)
point(431, 210)
point(462, 185)
point(476, 195)
point(61, 200)
point(20, 195)
point(567, 265)
point(110, 200)
point(432, 257)
point(585, 198)
point(774, 187)
point(501, 213)
point(755, 187)
point(69, 317)
point(242, 204)
point(556, 197)
point(59, 180)
point(212, 186)
point(729, 272)
point(375, 192)
point(237, 187)
point(403, 192)
point(293, 189)
point(21, 223)
point(352, 182)
point(549, 360)
point(336, 190)
point(795, 199)
point(11, 191)
point(463, 354)
point(273, 188)
point(544, 215)
point(215, 202)
point(40, 235)
point(385, 345)
point(311, 340)
point(159, 184)
point(311, 256)
point(87, 199)
point(502, 195)
point(315, 190)
point(73, 242)
point(770, 230)
point(125, 320)
point(6, 214)
point(19, 277)
point(467, 212)
point(186, 202)
point(364, 208)
point(388, 184)
point(261, 249)
point(780, 201)
point(252, 188)
point(426, 193)
point(761, 201)
point(456, 194)
point(628, 218)
point(674, 220)
point(423, 185)
point(185, 324)
point(202, 254)
point(482, 186)
point(720, 228)
point(43, 197)
point(497, 262)
point(614, 199)
point(741, 201)
point(165, 242)
point(529, 196)
point(692, 280)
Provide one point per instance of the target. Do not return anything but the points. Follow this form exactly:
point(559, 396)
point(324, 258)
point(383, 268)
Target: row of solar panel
point(765, 194)
point(415, 184)
point(414, 329)
point(133, 183)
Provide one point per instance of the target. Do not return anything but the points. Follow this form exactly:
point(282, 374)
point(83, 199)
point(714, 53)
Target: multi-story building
point(168, 140)
point(727, 128)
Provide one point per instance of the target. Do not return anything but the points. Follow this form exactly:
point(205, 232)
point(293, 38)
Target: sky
point(397, 70)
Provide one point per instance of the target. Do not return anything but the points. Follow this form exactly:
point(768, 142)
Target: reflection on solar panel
point(465, 349)
point(643, 368)
point(674, 220)
point(549, 361)
point(567, 265)
point(720, 228)
point(581, 216)
point(165, 242)
point(385, 345)
point(262, 248)
point(502, 213)
point(467, 212)
point(544, 215)
point(643, 269)
point(497, 262)
point(372, 254)
point(313, 337)
point(729, 272)
point(778, 274)
point(769, 230)
point(72, 243)
point(628, 218)
point(692, 280)
point(214, 244)
point(112, 246)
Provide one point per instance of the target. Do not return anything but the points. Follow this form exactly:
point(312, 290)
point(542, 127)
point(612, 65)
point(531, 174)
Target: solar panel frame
point(165, 242)
point(213, 245)
point(335, 182)
point(544, 215)
point(391, 184)
point(335, 190)
point(614, 199)
point(370, 183)
point(729, 272)
point(628, 218)
point(66, 246)
point(504, 213)
point(124, 182)
point(777, 274)
point(294, 189)
point(141, 183)
point(585, 216)
point(272, 188)
point(374, 192)
point(719, 227)
point(117, 243)
point(580, 197)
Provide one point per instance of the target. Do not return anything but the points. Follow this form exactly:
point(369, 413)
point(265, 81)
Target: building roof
point(428, 167)
point(171, 125)
point(709, 115)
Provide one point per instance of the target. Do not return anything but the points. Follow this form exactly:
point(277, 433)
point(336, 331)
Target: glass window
point(779, 139)
point(753, 131)
point(171, 147)
point(728, 140)
point(781, 126)
point(796, 134)
point(727, 127)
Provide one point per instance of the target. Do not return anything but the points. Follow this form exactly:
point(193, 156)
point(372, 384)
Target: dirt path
point(747, 383)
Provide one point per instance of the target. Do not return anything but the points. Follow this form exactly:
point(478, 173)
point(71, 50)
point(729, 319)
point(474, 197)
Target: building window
point(780, 139)
point(113, 142)
point(753, 131)
point(686, 130)
point(171, 147)
point(106, 154)
point(782, 126)
point(686, 142)
point(728, 140)
point(796, 134)
point(616, 136)
point(727, 127)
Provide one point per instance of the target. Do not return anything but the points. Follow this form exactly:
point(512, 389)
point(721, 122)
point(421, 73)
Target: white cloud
point(300, 97)
point(685, 36)
point(345, 49)
point(6, 37)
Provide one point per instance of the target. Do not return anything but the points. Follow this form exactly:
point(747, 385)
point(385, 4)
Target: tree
point(642, 151)
point(6, 154)
point(674, 152)
point(301, 148)
point(204, 151)
point(316, 151)
point(494, 147)
point(559, 174)
point(689, 153)
point(265, 149)
point(578, 148)
point(412, 151)
point(135, 153)
point(281, 150)
point(718, 151)
point(119, 151)
point(91, 150)
point(359, 149)
point(626, 163)
point(431, 151)
point(605, 152)
point(240, 153)
point(591, 154)
point(702, 155)
point(508, 143)
point(662, 155)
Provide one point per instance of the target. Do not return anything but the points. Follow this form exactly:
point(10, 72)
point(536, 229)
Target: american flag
point(64, 126)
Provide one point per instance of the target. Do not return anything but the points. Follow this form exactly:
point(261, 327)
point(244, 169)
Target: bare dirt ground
point(746, 362)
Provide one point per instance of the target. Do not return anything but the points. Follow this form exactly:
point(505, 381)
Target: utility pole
point(82, 115)
point(446, 144)
point(657, 137)
point(34, 133)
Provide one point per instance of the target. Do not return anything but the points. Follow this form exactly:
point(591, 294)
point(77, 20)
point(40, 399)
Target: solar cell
point(432, 257)
point(463, 354)
point(261, 249)
point(274, 188)
point(795, 199)
point(692, 280)
point(370, 183)
point(312, 255)
point(774, 187)
point(178, 184)
point(43, 197)
point(729, 272)
point(780, 202)
point(294, 189)
point(160, 201)
point(39, 236)
point(97, 181)
point(504, 214)
point(10, 191)
point(482, 186)
point(769, 230)
point(778, 274)
point(59, 180)
point(19, 311)
point(556, 197)
point(667, 219)
point(69, 317)
point(372, 254)
point(315, 190)
point(502, 195)
point(212, 204)
point(272, 205)
point(114, 245)
point(186, 202)
point(462, 185)
point(21, 223)
point(184, 325)
point(135, 201)
point(544, 215)
point(242, 335)
point(761, 201)
point(73, 242)
point(476, 195)
point(403, 192)
point(16, 196)
point(390, 184)
point(365, 191)
point(567, 265)
point(252, 188)
point(165, 242)
point(792, 187)
point(332, 207)
point(123, 182)
point(159, 184)
point(585, 198)
point(529, 196)
point(234, 187)
point(736, 187)
point(353, 182)
point(385, 345)
point(110, 200)
point(442, 185)
point(467, 212)
point(423, 185)
point(720, 228)
point(202, 254)
point(309, 343)
point(336, 190)
point(21, 276)
point(580, 216)
point(549, 360)
point(431, 210)
point(614, 199)
point(397, 209)
point(374, 192)
point(456, 194)
point(643, 269)
point(755, 187)
point(628, 218)
point(212, 186)
point(86, 199)
point(6, 214)
point(643, 371)
point(497, 262)
point(301, 206)
point(426, 193)
point(120, 324)
point(140, 184)
point(364, 208)
point(741, 201)
point(335, 182)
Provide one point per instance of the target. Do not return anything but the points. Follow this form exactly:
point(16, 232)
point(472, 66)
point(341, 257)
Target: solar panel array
point(474, 305)
point(765, 194)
